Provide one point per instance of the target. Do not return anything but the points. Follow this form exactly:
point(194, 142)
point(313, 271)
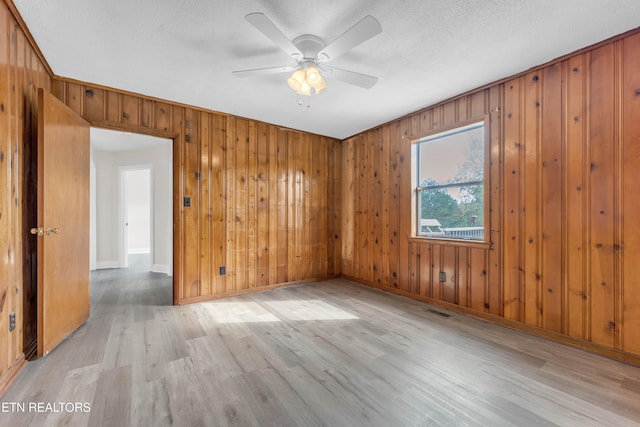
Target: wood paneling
point(564, 161)
point(379, 250)
point(627, 252)
point(21, 73)
point(263, 203)
point(275, 206)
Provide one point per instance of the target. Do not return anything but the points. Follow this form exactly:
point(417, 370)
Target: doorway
point(132, 194)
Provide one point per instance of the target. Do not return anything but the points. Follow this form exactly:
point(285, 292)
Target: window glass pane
point(450, 172)
point(452, 212)
point(452, 158)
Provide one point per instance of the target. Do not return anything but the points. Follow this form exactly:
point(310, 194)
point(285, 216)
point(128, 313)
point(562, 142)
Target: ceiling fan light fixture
point(305, 89)
point(313, 76)
point(297, 80)
point(320, 86)
point(305, 78)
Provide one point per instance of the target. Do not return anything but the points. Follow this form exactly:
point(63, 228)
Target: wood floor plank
point(325, 354)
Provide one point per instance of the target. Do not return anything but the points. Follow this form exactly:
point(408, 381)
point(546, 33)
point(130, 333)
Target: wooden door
point(63, 221)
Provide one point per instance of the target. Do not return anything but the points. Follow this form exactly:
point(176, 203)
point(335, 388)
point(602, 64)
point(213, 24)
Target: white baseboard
point(159, 268)
point(107, 264)
point(136, 251)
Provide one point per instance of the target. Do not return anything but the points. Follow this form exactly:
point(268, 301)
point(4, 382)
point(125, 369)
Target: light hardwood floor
point(331, 353)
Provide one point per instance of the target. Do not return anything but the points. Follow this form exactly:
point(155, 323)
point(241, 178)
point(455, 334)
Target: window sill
point(478, 244)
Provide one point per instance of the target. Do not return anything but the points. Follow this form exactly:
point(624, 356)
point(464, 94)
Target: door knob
point(39, 231)
point(51, 230)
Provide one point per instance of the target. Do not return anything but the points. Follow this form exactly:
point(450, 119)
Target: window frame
point(415, 188)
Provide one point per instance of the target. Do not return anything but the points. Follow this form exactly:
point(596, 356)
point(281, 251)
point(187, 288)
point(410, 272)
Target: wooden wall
point(21, 73)
point(565, 213)
point(263, 201)
point(276, 206)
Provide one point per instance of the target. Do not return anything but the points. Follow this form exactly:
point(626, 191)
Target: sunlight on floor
point(276, 311)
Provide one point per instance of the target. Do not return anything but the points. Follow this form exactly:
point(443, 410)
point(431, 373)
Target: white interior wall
point(107, 204)
point(106, 214)
point(93, 259)
point(137, 188)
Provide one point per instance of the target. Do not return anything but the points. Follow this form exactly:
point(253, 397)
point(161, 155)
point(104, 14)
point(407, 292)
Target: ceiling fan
point(311, 53)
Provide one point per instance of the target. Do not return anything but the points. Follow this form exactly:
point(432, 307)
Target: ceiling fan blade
point(263, 71)
point(359, 33)
point(357, 79)
point(269, 29)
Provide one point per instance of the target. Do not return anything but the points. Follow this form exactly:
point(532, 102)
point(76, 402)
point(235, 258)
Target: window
point(450, 184)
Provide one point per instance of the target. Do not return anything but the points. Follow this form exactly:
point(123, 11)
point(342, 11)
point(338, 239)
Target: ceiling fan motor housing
point(309, 45)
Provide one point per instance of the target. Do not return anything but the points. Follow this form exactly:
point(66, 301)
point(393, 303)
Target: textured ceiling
point(428, 51)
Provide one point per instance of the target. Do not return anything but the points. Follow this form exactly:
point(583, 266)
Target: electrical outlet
point(12, 321)
point(222, 270)
point(443, 276)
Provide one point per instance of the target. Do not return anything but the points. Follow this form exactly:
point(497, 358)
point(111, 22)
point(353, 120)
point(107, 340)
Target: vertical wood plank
point(575, 224)
point(17, 141)
point(436, 268)
point(631, 177)
point(360, 221)
point(6, 356)
point(494, 108)
point(320, 240)
point(337, 177)
point(348, 208)
point(161, 116)
point(205, 208)
point(394, 204)
point(58, 87)
point(218, 202)
point(531, 205)
point(308, 218)
point(177, 116)
point(449, 113)
point(192, 176)
point(94, 104)
point(293, 198)
point(114, 107)
point(414, 267)
point(602, 196)
point(147, 108)
point(131, 110)
point(230, 193)
point(240, 204)
point(386, 206)
point(404, 200)
point(464, 277)
point(478, 279)
point(252, 252)
point(426, 270)
point(75, 98)
point(449, 267)
point(262, 178)
point(512, 233)
point(551, 188)
point(283, 206)
point(272, 140)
